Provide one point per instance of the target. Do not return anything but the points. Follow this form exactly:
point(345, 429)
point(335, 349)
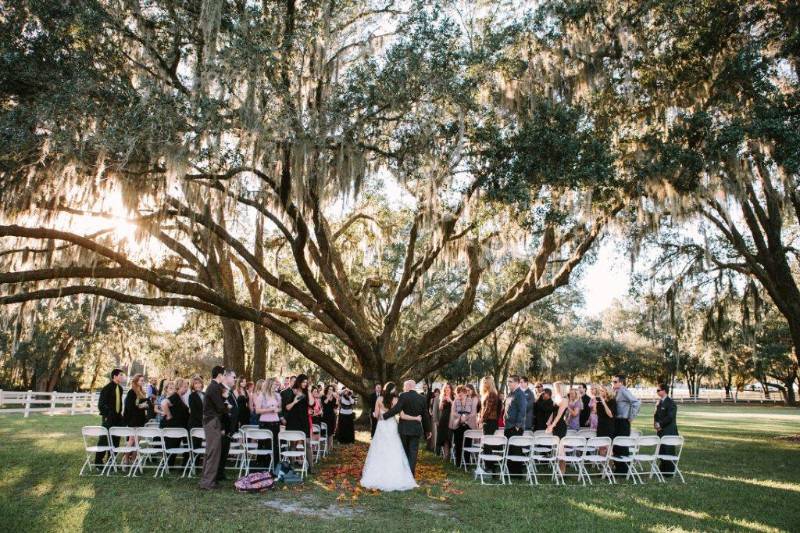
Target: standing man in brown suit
point(214, 409)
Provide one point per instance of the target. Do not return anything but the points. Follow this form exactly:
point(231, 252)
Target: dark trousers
point(489, 427)
point(175, 443)
point(108, 422)
point(225, 446)
point(513, 466)
point(213, 429)
point(275, 428)
point(373, 424)
point(622, 428)
point(411, 447)
point(666, 467)
point(458, 438)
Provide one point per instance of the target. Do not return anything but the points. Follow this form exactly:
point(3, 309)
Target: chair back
point(648, 441)
point(93, 432)
point(500, 432)
point(494, 440)
point(628, 442)
point(587, 433)
point(574, 444)
point(636, 433)
point(198, 433)
point(292, 436)
point(256, 435)
point(572, 432)
point(676, 441)
point(598, 442)
point(540, 433)
point(175, 433)
point(521, 441)
point(151, 434)
point(248, 427)
point(122, 432)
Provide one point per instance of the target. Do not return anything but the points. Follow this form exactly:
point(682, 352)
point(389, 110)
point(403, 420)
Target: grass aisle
point(743, 474)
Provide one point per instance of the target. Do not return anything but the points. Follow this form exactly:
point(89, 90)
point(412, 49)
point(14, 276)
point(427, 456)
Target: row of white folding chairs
point(471, 442)
point(577, 453)
point(148, 444)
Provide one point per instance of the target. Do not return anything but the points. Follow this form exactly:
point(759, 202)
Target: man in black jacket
point(413, 404)
point(542, 409)
point(214, 409)
point(110, 406)
point(664, 422)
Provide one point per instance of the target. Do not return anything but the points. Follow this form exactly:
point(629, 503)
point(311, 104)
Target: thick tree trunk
point(259, 353)
point(233, 346)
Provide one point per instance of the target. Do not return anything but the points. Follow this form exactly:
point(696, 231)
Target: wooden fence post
point(74, 399)
point(53, 397)
point(1, 398)
point(27, 404)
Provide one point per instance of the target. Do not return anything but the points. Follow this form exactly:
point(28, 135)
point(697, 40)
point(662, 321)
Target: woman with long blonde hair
point(490, 406)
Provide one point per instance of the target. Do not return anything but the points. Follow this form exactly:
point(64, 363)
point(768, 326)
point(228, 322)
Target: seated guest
point(574, 408)
point(664, 422)
point(542, 409)
point(176, 413)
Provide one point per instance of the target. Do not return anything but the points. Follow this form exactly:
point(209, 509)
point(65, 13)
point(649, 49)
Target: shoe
point(213, 486)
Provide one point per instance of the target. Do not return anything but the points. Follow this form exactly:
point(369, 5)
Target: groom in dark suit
point(412, 404)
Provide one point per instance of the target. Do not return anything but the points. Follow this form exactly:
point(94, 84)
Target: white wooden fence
point(27, 402)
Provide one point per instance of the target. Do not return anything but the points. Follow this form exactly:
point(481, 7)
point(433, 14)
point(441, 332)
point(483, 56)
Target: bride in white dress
point(386, 467)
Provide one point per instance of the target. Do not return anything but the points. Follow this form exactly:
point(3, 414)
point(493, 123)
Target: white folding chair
point(91, 434)
point(316, 442)
point(545, 452)
point(149, 446)
point(676, 442)
point(124, 433)
point(184, 448)
point(635, 433)
point(471, 447)
point(571, 454)
point(587, 433)
point(630, 443)
point(525, 444)
point(323, 437)
point(527, 433)
point(261, 441)
point(286, 441)
point(593, 458)
point(540, 433)
point(197, 451)
point(572, 433)
point(493, 452)
point(237, 452)
point(500, 432)
point(646, 456)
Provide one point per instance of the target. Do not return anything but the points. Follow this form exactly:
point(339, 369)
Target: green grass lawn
point(741, 475)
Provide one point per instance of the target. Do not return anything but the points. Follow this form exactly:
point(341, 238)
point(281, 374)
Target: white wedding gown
point(386, 467)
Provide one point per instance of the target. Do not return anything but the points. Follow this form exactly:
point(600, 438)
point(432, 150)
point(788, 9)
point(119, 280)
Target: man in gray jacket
point(516, 407)
point(530, 399)
point(627, 408)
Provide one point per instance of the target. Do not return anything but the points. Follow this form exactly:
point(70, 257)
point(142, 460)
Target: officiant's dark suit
point(413, 404)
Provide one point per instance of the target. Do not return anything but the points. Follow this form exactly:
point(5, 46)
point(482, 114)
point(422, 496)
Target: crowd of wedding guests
point(224, 404)
point(607, 410)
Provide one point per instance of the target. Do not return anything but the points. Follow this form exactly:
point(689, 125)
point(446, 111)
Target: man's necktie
point(119, 400)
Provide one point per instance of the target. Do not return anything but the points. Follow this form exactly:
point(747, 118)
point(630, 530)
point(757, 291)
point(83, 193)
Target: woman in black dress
point(295, 405)
point(329, 405)
point(606, 408)
point(443, 436)
point(136, 406)
point(176, 415)
point(557, 424)
point(242, 402)
point(345, 430)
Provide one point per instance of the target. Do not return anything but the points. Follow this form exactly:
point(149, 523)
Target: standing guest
point(286, 395)
point(490, 406)
point(110, 406)
point(557, 424)
point(196, 408)
point(315, 406)
point(586, 408)
point(330, 402)
point(242, 402)
point(345, 430)
point(476, 398)
point(214, 409)
point(136, 406)
point(530, 400)
point(542, 409)
point(665, 423)
point(433, 411)
point(152, 395)
point(606, 413)
point(177, 414)
point(296, 411)
point(463, 416)
point(268, 408)
point(163, 405)
point(627, 408)
point(592, 414)
point(373, 399)
point(574, 408)
point(443, 437)
point(516, 408)
point(426, 393)
point(252, 392)
point(230, 421)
